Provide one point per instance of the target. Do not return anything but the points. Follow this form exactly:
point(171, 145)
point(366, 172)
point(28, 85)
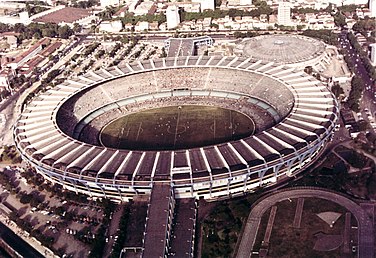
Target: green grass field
point(176, 127)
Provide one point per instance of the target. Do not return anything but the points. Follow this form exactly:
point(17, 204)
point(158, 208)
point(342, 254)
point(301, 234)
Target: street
point(19, 245)
point(368, 100)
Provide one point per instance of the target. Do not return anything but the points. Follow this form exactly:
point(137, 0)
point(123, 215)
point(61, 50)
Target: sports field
point(176, 127)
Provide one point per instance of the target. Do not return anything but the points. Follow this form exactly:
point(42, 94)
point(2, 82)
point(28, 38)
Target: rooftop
point(67, 15)
point(283, 49)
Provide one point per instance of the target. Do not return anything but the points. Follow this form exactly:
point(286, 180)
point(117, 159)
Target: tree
point(65, 32)
point(357, 87)
point(337, 90)
point(107, 13)
point(340, 19)
point(77, 27)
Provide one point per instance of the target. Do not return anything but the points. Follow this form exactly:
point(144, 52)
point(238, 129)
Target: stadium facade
point(57, 132)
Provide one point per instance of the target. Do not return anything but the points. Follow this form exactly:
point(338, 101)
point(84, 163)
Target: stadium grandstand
point(186, 46)
point(57, 131)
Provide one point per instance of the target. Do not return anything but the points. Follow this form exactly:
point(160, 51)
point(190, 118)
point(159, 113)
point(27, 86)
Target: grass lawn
point(176, 127)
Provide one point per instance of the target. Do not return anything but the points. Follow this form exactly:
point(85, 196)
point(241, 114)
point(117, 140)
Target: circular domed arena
point(211, 127)
point(292, 50)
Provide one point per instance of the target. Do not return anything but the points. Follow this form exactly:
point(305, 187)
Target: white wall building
point(205, 4)
point(172, 16)
point(111, 26)
point(245, 2)
point(372, 7)
point(105, 3)
point(348, 2)
point(145, 8)
point(284, 13)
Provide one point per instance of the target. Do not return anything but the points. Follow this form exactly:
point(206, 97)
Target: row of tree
point(325, 35)
point(356, 92)
point(37, 30)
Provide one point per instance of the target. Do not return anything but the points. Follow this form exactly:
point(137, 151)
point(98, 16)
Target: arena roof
point(282, 49)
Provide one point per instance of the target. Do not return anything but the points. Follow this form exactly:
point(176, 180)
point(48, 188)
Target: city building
point(141, 26)
point(111, 26)
point(372, 7)
point(6, 76)
point(66, 16)
point(105, 3)
point(29, 54)
point(284, 13)
point(245, 2)
point(190, 7)
point(205, 4)
point(132, 5)
point(172, 16)
point(145, 8)
point(22, 17)
point(348, 2)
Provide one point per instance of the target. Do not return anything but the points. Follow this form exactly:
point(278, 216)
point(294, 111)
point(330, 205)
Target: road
point(365, 225)
point(368, 100)
point(17, 243)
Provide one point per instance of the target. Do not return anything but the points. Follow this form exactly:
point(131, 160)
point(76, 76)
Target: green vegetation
point(337, 90)
point(340, 19)
point(262, 8)
point(364, 26)
point(176, 127)
point(326, 35)
point(10, 155)
point(221, 229)
point(122, 235)
point(348, 8)
point(90, 49)
point(130, 18)
point(286, 240)
point(357, 88)
point(304, 10)
point(114, 50)
point(98, 244)
point(354, 158)
point(27, 226)
point(363, 56)
point(84, 4)
point(37, 30)
point(248, 34)
point(31, 10)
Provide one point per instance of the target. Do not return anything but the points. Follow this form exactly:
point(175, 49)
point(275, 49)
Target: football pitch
point(176, 127)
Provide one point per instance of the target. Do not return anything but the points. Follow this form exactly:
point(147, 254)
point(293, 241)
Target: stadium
point(292, 50)
point(116, 132)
